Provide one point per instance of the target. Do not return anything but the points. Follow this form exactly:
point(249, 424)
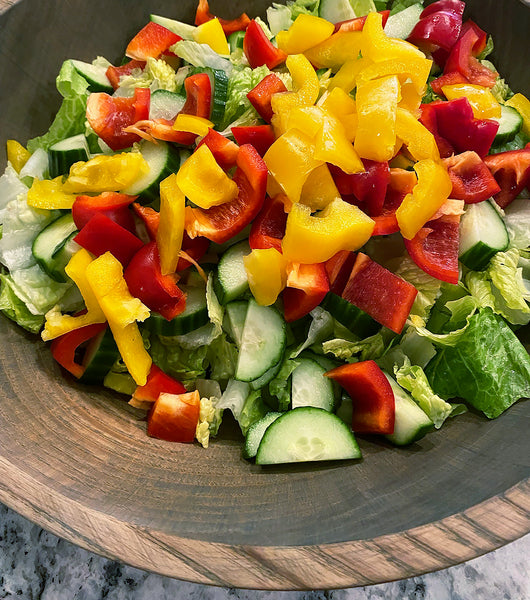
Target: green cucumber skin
point(195, 315)
point(356, 320)
point(101, 363)
point(256, 432)
point(478, 257)
point(227, 287)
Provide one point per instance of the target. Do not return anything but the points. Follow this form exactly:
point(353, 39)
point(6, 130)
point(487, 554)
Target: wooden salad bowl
point(78, 462)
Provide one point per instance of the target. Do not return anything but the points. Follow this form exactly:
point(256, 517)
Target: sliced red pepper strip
point(101, 235)
point(174, 417)
point(260, 96)
point(439, 26)
point(268, 228)
point(511, 171)
point(157, 383)
point(307, 285)
point(145, 281)
point(357, 24)
point(150, 218)
point(204, 15)
point(114, 74)
point(141, 103)
point(112, 204)
point(259, 50)
point(435, 248)
point(151, 41)
point(374, 407)
point(260, 136)
point(472, 180)
point(339, 268)
point(220, 223)
point(64, 347)
point(198, 96)
point(401, 183)
point(224, 150)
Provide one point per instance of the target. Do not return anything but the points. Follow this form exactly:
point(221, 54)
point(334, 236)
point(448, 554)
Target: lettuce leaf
point(517, 220)
point(15, 309)
point(201, 55)
point(239, 84)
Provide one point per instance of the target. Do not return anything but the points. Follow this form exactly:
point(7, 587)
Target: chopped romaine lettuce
point(201, 55)
point(15, 309)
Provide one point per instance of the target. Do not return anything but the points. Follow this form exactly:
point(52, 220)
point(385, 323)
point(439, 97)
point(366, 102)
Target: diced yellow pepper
point(338, 103)
point(103, 173)
point(332, 146)
point(482, 101)
point(290, 160)
point(307, 119)
point(419, 140)
point(346, 77)
point(432, 190)
point(203, 181)
point(316, 238)
point(522, 106)
point(410, 99)
point(58, 324)
point(122, 310)
point(377, 102)
point(306, 31)
point(267, 274)
point(211, 33)
point(319, 189)
point(171, 229)
point(413, 68)
point(49, 194)
point(336, 50)
point(17, 155)
point(192, 124)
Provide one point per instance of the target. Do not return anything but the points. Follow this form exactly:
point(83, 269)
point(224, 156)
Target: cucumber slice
point(402, 23)
point(219, 83)
point(183, 29)
point(96, 76)
point(262, 341)
point(510, 124)
point(50, 247)
point(163, 159)
point(309, 387)
point(307, 434)
point(256, 432)
point(356, 320)
point(63, 154)
point(195, 315)
point(234, 320)
point(267, 377)
point(235, 40)
point(411, 422)
point(165, 104)
point(232, 281)
point(482, 234)
point(336, 11)
point(362, 7)
point(100, 356)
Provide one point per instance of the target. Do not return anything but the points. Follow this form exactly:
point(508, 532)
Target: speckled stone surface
point(36, 565)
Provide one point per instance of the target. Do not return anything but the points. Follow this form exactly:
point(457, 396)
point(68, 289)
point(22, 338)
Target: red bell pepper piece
point(401, 183)
point(357, 24)
point(472, 180)
point(110, 115)
point(268, 228)
point(224, 150)
point(260, 136)
point(374, 407)
point(146, 282)
point(101, 235)
point(435, 248)
point(203, 15)
point(260, 96)
point(428, 118)
point(378, 292)
point(113, 205)
point(150, 218)
point(259, 50)
point(64, 348)
point(439, 26)
point(307, 285)
point(462, 57)
point(174, 417)
point(151, 41)
point(339, 268)
point(511, 171)
point(157, 383)
point(220, 223)
point(198, 96)
point(452, 78)
point(114, 74)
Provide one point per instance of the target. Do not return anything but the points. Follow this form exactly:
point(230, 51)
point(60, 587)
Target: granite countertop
point(35, 565)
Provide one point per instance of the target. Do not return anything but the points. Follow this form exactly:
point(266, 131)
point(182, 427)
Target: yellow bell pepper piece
point(58, 324)
point(410, 99)
point(332, 146)
point(211, 33)
point(203, 181)
point(336, 50)
point(267, 274)
point(319, 189)
point(192, 124)
point(290, 160)
point(419, 140)
point(481, 99)
point(413, 68)
point(49, 194)
point(316, 238)
point(306, 31)
point(17, 155)
point(103, 173)
point(273, 187)
point(377, 102)
point(122, 310)
point(338, 103)
point(307, 119)
point(432, 190)
point(346, 77)
point(171, 229)
point(377, 46)
point(522, 106)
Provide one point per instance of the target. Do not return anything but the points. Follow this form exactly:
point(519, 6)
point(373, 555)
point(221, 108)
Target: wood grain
point(77, 461)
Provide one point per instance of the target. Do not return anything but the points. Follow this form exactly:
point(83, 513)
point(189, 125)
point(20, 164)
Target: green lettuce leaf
point(182, 363)
point(279, 18)
point(517, 220)
point(201, 55)
point(370, 348)
point(254, 409)
point(279, 388)
point(15, 309)
point(488, 367)
point(239, 84)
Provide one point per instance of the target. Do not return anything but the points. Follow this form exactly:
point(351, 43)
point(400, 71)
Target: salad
point(317, 225)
